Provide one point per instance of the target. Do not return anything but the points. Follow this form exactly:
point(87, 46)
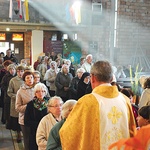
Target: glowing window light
point(77, 11)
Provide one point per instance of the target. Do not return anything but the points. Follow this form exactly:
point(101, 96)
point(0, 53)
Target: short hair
point(147, 83)
point(103, 71)
point(20, 67)
point(89, 55)
point(67, 107)
point(145, 112)
point(53, 63)
point(63, 66)
point(7, 63)
point(11, 66)
point(81, 70)
point(37, 72)
point(26, 73)
point(40, 86)
point(126, 92)
point(52, 99)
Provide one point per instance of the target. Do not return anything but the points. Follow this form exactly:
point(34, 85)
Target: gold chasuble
point(88, 122)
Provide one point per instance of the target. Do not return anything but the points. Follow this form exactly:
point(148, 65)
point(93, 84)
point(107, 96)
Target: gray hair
point(63, 66)
point(11, 66)
point(81, 70)
point(103, 71)
point(67, 107)
point(40, 86)
point(52, 99)
point(89, 55)
point(37, 72)
point(53, 63)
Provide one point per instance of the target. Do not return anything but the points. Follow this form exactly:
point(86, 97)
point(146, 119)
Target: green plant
point(135, 81)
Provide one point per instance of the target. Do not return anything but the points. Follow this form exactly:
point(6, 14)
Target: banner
point(20, 9)
point(26, 11)
point(10, 9)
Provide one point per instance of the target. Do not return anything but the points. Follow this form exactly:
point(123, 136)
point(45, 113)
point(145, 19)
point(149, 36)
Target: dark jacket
point(31, 119)
point(73, 88)
point(62, 81)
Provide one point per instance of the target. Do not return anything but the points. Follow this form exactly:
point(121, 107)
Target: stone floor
point(6, 142)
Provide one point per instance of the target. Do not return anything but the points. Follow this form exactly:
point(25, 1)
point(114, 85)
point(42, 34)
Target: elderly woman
point(24, 95)
point(62, 82)
point(83, 84)
point(13, 87)
point(3, 71)
point(48, 121)
point(50, 76)
point(35, 111)
point(37, 76)
point(54, 138)
point(4, 85)
point(74, 83)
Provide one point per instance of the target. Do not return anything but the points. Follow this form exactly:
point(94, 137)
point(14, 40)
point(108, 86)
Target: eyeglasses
point(55, 106)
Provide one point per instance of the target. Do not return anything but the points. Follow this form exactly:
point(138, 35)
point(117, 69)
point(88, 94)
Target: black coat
point(31, 119)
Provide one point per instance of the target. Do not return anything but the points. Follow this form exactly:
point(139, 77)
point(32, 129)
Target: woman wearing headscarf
point(83, 84)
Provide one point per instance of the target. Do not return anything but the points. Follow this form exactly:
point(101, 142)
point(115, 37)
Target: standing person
point(53, 56)
point(83, 84)
point(24, 95)
point(54, 115)
point(37, 62)
point(37, 79)
point(4, 85)
point(9, 55)
point(62, 82)
point(107, 114)
point(88, 63)
point(35, 111)
point(145, 96)
point(54, 138)
point(74, 84)
point(13, 87)
point(2, 74)
point(50, 77)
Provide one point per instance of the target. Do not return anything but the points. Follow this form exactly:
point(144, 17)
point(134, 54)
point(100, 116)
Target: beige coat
point(24, 95)
point(43, 130)
point(13, 87)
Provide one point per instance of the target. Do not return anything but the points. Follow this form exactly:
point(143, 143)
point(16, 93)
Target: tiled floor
point(6, 142)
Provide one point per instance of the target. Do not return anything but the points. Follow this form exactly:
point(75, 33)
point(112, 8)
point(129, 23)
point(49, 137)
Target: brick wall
point(133, 34)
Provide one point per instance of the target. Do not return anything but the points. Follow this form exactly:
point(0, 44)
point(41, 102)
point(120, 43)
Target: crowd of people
point(59, 106)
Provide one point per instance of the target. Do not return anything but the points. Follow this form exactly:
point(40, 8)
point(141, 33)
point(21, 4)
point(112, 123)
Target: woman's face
point(79, 74)
point(56, 107)
point(20, 73)
point(87, 79)
point(36, 78)
point(141, 121)
point(40, 93)
point(12, 71)
point(65, 69)
point(29, 80)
